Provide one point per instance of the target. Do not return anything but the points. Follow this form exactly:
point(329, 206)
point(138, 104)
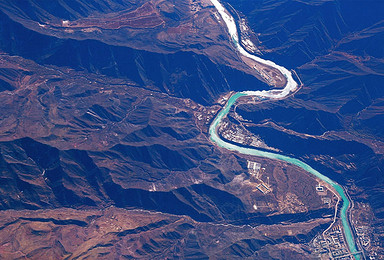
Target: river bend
point(290, 87)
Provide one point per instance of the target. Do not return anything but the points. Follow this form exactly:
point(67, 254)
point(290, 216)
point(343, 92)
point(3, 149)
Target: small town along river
point(289, 88)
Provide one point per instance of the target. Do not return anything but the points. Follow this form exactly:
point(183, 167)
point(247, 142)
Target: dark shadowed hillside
point(106, 106)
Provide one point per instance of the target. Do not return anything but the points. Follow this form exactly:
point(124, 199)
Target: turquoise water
point(251, 151)
point(290, 87)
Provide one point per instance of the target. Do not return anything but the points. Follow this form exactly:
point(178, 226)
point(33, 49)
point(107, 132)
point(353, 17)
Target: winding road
point(290, 87)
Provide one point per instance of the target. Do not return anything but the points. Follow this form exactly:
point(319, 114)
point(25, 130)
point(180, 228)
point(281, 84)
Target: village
point(331, 244)
point(239, 135)
point(255, 171)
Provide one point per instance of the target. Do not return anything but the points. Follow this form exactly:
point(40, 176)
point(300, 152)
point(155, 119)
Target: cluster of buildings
point(254, 170)
point(234, 134)
point(322, 192)
point(362, 233)
point(238, 135)
point(331, 245)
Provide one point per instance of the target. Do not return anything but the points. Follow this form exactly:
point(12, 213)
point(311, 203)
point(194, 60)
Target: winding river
point(290, 87)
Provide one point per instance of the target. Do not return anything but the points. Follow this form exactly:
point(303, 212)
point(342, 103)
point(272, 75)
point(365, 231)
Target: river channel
point(289, 88)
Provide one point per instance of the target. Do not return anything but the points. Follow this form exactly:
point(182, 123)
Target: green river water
point(289, 88)
point(251, 151)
